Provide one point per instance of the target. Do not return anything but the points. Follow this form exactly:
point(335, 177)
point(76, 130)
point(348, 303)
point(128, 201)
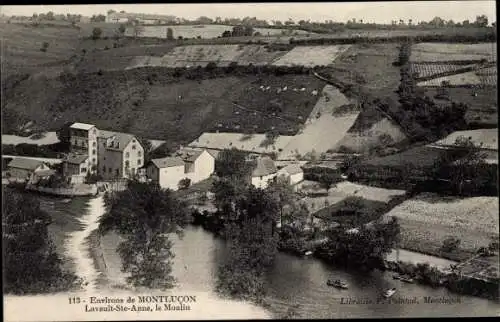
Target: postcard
point(250, 161)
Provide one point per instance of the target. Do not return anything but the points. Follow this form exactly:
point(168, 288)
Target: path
point(78, 247)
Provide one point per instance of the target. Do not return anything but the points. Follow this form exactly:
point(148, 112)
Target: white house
point(264, 171)
point(167, 172)
point(83, 140)
point(292, 173)
point(194, 164)
point(199, 163)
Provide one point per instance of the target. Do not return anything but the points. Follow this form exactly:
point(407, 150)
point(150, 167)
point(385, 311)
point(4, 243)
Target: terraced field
point(311, 55)
point(435, 52)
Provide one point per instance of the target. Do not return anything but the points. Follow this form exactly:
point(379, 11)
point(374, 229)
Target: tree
point(122, 29)
point(328, 179)
point(30, 262)
point(145, 214)
point(170, 34)
point(96, 33)
point(184, 183)
point(232, 164)
point(450, 244)
point(252, 237)
point(481, 21)
point(147, 146)
point(49, 15)
point(111, 11)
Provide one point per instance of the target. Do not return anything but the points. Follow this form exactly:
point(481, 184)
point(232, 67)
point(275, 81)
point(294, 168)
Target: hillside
point(163, 108)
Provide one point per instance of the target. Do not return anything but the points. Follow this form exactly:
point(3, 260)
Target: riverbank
point(456, 283)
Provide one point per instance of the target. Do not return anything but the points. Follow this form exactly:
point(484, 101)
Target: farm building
point(292, 173)
point(75, 167)
point(194, 164)
point(22, 168)
point(264, 171)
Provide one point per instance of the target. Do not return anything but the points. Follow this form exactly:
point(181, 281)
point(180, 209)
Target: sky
point(379, 12)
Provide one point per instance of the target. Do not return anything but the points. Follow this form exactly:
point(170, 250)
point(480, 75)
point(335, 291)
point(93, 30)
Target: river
point(294, 284)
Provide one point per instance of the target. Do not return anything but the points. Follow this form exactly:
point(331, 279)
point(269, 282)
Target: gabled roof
point(189, 155)
point(76, 158)
point(122, 138)
point(81, 126)
point(265, 166)
point(293, 168)
point(167, 162)
point(22, 163)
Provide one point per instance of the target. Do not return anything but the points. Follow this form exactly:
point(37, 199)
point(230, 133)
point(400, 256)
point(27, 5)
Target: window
point(127, 155)
point(139, 162)
point(93, 160)
point(139, 153)
point(133, 171)
point(83, 170)
point(93, 151)
point(133, 146)
point(110, 170)
point(117, 171)
point(127, 164)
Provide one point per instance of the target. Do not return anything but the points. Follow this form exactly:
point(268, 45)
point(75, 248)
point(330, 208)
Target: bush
point(184, 183)
point(96, 33)
point(450, 244)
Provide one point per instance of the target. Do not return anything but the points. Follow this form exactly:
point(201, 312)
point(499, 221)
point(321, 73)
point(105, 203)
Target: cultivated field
point(427, 220)
point(487, 137)
point(365, 192)
point(483, 109)
point(469, 78)
point(369, 66)
point(204, 31)
point(252, 143)
point(320, 125)
point(428, 70)
point(433, 52)
point(311, 56)
point(201, 55)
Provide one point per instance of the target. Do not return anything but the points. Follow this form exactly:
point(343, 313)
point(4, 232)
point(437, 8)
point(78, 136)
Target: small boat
point(337, 284)
point(308, 253)
point(390, 292)
point(406, 280)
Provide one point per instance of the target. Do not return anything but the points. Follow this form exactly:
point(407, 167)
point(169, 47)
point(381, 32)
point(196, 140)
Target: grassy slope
point(126, 101)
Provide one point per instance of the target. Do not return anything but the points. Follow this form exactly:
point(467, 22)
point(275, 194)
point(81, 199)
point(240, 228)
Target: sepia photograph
point(267, 160)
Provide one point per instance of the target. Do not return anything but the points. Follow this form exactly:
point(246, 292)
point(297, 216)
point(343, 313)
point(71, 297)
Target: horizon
point(369, 12)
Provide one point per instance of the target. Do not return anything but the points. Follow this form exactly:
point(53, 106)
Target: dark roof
point(122, 138)
point(76, 158)
point(22, 163)
point(265, 166)
point(167, 162)
point(189, 155)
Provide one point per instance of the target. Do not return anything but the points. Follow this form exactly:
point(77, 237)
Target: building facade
point(120, 155)
point(264, 172)
point(291, 174)
point(83, 141)
point(24, 169)
point(193, 164)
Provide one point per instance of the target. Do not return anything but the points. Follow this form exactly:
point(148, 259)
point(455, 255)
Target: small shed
point(24, 168)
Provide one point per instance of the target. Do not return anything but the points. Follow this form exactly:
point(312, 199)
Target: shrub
point(184, 183)
point(96, 33)
point(45, 46)
point(450, 244)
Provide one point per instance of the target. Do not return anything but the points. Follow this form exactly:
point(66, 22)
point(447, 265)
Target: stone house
point(24, 168)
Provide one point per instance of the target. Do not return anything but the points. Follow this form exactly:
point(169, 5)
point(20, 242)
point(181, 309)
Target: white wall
point(135, 157)
point(296, 178)
point(262, 182)
point(204, 166)
point(169, 177)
